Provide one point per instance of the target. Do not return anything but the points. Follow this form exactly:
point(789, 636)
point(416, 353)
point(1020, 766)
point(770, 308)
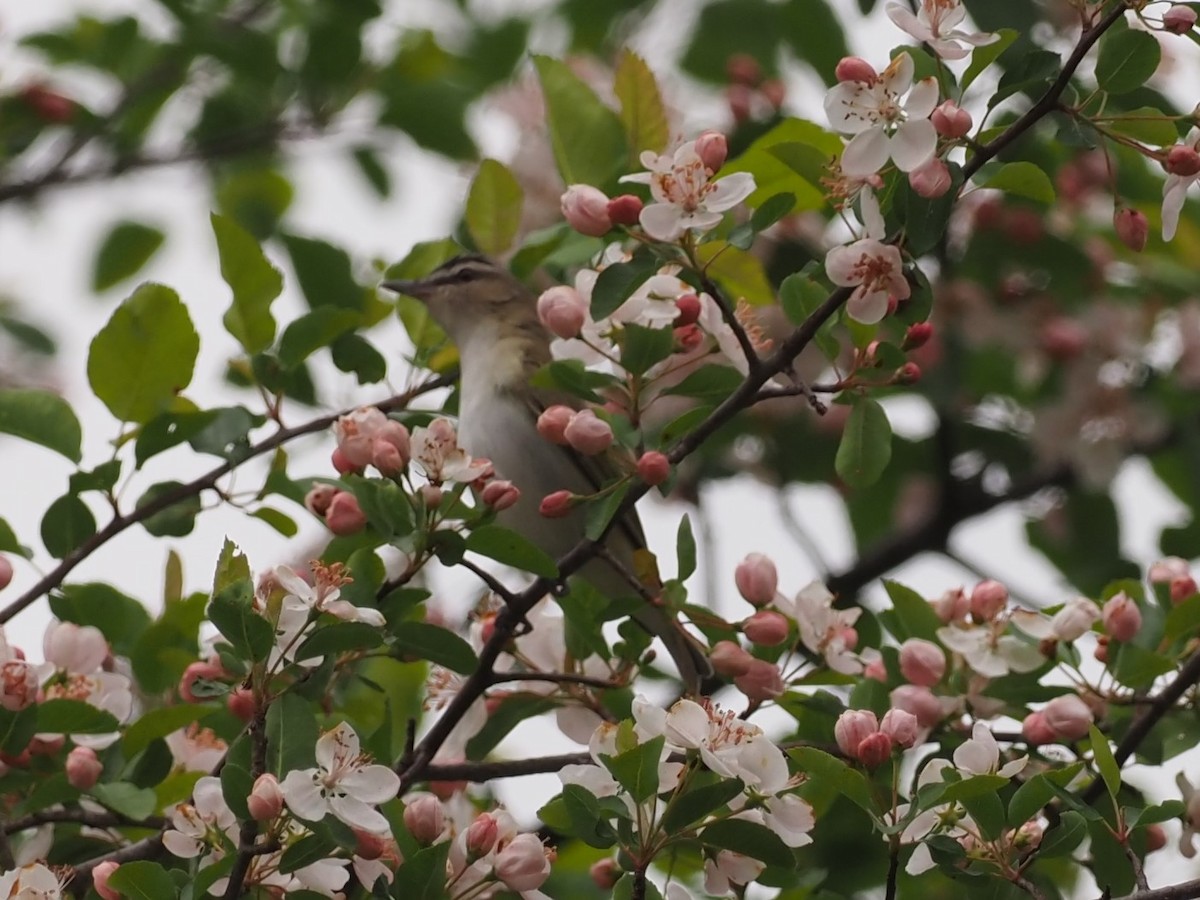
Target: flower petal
point(867, 152)
point(731, 190)
point(913, 144)
point(867, 306)
point(922, 98)
point(661, 221)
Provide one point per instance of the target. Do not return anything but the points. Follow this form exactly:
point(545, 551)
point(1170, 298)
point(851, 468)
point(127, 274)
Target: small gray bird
point(492, 318)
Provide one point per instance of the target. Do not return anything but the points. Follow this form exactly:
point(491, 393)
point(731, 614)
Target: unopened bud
point(557, 505)
point(48, 105)
point(1035, 730)
point(742, 68)
point(757, 579)
point(909, 373)
point(345, 516)
point(101, 872)
point(552, 423)
point(922, 662)
point(195, 672)
point(83, 768)
point(586, 210)
point(653, 467)
point(482, 835)
point(774, 91)
point(1063, 338)
point(241, 704)
point(852, 728)
point(318, 498)
point(563, 311)
point(988, 600)
point(854, 68)
point(500, 494)
point(712, 148)
point(1182, 588)
point(625, 209)
point(688, 306)
point(341, 463)
point(605, 873)
point(6, 572)
point(1132, 228)
point(917, 335)
point(876, 670)
point(1179, 19)
point(1156, 837)
point(931, 179)
point(730, 659)
point(919, 701)
point(266, 799)
point(1122, 618)
point(1075, 619)
point(689, 337)
point(588, 433)
point(1182, 160)
point(766, 628)
point(761, 681)
point(425, 818)
point(1068, 717)
point(951, 121)
point(874, 750)
point(901, 726)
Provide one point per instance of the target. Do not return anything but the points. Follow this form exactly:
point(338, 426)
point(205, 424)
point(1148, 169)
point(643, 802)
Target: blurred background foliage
point(1058, 353)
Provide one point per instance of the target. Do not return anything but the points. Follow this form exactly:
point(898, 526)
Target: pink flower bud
point(318, 498)
point(761, 681)
point(766, 628)
point(386, 458)
point(500, 494)
point(425, 819)
point(586, 210)
point(874, 750)
point(1075, 619)
point(952, 606)
point(605, 873)
point(901, 726)
point(730, 659)
point(523, 864)
point(1182, 160)
point(266, 799)
point(740, 99)
point(1156, 837)
point(1062, 338)
point(919, 701)
point(344, 515)
point(1036, 731)
point(922, 662)
point(370, 846)
point(848, 637)
point(988, 600)
point(557, 505)
point(653, 467)
point(917, 335)
point(241, 704)
point(1182, 588)
point(909, 373)
point(562, 310)
point(482, 835)
point(488, 473)
point(6, 572)
point(588, 434)
point(712, 148)
point(1122, 618)
point(48, 105)
point(101, 872)
point(1167, 570)
point(742, 68)
point(1068, 717)
point(854, 68)
point(193, 673)
point(625, 209)
point(852, 728)
point(689, 309)
point(931, 179)
point(341, 464)
point(431, 494)
point(951, 121)
point(552, 423)
point(757, 579)
point(83, 768)
point(689, 337)
point(1132, 228)
point(774, 91)
point(876, 670)
point(18, 685)
point(1179, 19)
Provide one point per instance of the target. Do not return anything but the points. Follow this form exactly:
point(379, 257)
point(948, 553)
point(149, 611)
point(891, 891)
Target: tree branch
point(208, 481)
point(509, 768)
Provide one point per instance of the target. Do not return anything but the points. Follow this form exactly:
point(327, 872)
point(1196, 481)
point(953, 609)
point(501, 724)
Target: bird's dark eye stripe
point(462, 269)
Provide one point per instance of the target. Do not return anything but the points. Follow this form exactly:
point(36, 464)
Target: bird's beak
point(418, 290)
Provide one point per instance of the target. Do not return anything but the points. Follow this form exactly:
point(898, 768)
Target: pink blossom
point(1183, 167)
point(344, 515)
point(552, 423)
point(1122, 618)
point(1035, 729)
point(653, 467)
point(922, 662)
point(563, 311)
point(436, 450)
point(1179, 19)
point(931, 179)
point(500, 494)
point(588, 434)
point(761, 681)
point(1132, 228)
point(556, 505)
point(101, 872)
point(523, 864)
point(266, 799)
point(919, 701)
point(988, 600)
point(730, 659)
point(425, 818)
point(935, 24)
point(83, 768)
point(712, 148)
point(586, 210)
point(951, 121)
point(882, 124)
point(757, 579)
point(876, 272)
point(766, 628)
point(1068, 717)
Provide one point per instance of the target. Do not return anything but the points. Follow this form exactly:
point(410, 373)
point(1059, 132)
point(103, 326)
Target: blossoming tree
point(964, 224)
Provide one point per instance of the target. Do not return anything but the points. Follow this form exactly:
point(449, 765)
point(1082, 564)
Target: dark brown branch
point(509, 768)
point(208, 481)
point(81, 817)
point(1185, 890)
point(553, 678)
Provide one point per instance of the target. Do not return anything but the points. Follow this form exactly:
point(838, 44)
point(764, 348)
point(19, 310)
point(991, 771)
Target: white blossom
point(934, 24)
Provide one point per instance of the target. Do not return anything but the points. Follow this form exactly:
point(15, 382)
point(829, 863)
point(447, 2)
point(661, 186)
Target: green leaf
point(1145, 124)
point(586, 818)
point(126, 799)
point(249, 633)
point(8, 540)
point(1071, 831)
point(254, 282)
point(74, 717)
point(1137, 667)
point(988, 813)
point(772, 210)
point(866, 446)
point(353, 353)
point(506, 546)
point(749, 839)
point(916, 616)
point(340, 637)
point(1023, 179)
point(325, 274)
point(41, 417)
point(982, 57)
point(693, 805)
point(236, 785)
point(67, 524)
point(685, 549)
point(126, 248)
point(1102, 755)
point(373, 170)
point(711, 384)
point(158, 723)
point(178, 519)
point(280, 521)
point(314, 330)
point(142, 880)
point(586, 136)
point(1126, 60)
point(493, 211)
point(738, 272)
point(1183, 619)
point(103, 478)
point(642, 112)
point(17, 729)
point(600, 512)
point(305, 852)
point(292, 734)
point(642, 348)
point(438, 645)
point(636, 769)
point(850, 783)
point(617, 283)
point(232, 567)
point(145, 355)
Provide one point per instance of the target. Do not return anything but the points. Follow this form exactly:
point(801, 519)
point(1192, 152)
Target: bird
point(491, 316)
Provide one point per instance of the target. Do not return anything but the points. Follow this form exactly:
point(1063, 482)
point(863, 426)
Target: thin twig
point(1185, 890)
point(91, 818)
point(554, 678)
point(508, 768)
